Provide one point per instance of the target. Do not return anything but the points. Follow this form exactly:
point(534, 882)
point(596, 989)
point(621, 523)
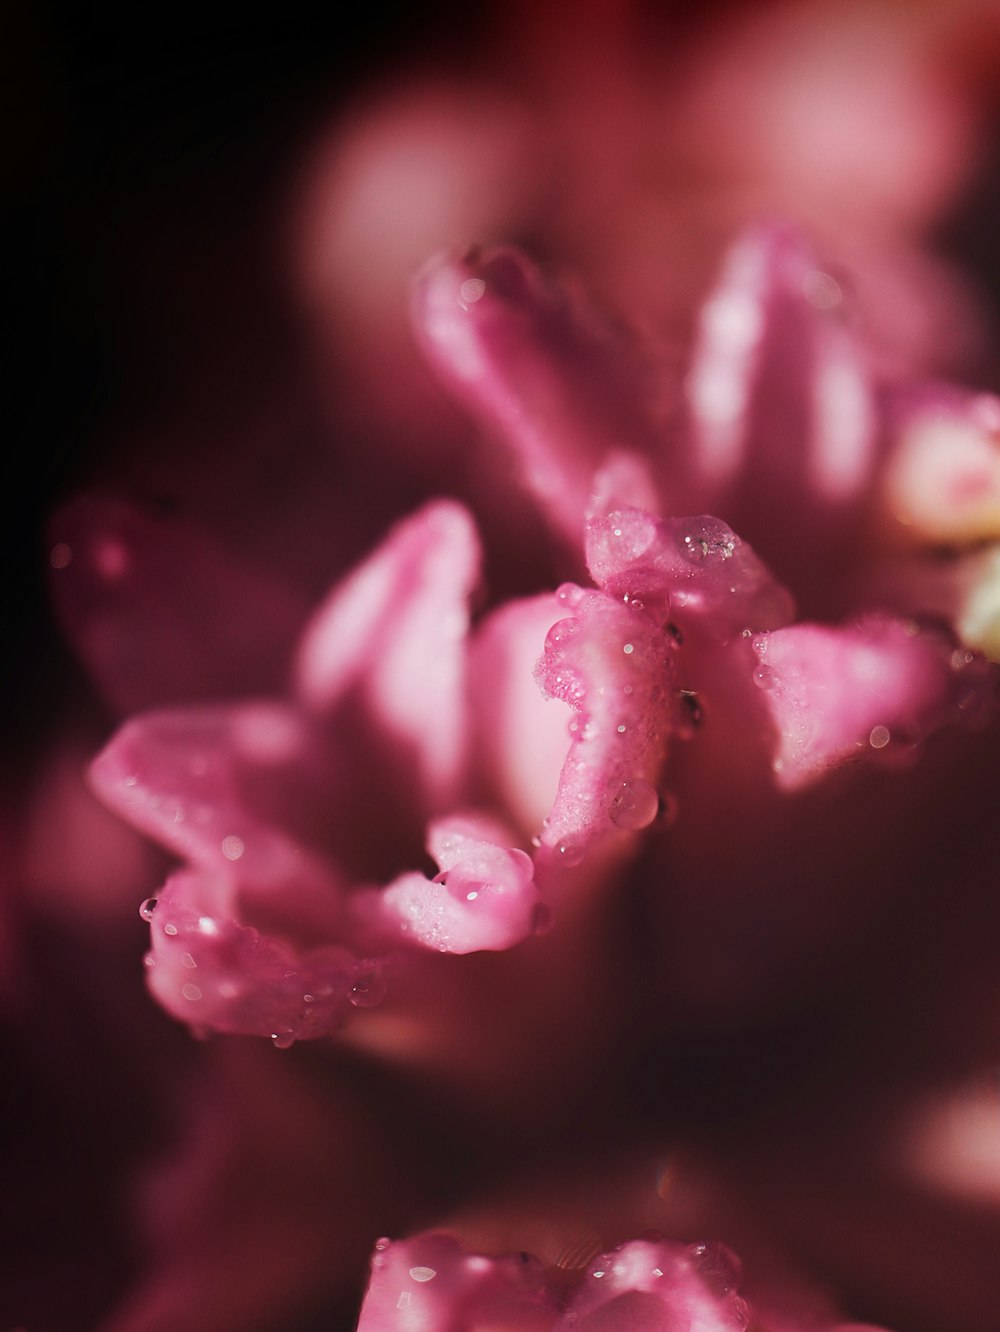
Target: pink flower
point(634, 785)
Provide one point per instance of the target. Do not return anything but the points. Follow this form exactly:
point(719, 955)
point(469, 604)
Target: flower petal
point(537, 368)
point(942, 478)
point(216, 974)
point(430, 1282)
point(841, 693)
point(691, 569)
point(160, 614)
point(484, 897)
point(612, 663)
point(396, 628)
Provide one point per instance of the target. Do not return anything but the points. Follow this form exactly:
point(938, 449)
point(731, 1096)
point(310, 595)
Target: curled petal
point(942, 477)
point(430, 1282)
point(612, 663)
point(535, 367)
point(215, 974)
point(484, 897)
point(160, 614)
point(396, 628)
point(690, 569)
point(881, 685)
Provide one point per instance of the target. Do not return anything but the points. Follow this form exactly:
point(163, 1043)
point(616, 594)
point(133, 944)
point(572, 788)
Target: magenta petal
point(612, 663)
point(213, 785)
point(688, 569)
point(878, 687)
point(396, 628)
point(774, 311)
point(484, 897)
point(534, 367)
point(215, 974)
point(521, 735)
point(659, 1286)
point(432, 1284)
point(160, 614)
point(942, 477)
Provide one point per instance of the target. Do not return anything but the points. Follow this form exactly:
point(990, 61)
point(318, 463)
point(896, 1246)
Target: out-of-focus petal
point(484, 897)
point(841, 693)
point(536, 368)
point(942, 476)
point(396, 629)
point(431, 1284)
point(160, 614)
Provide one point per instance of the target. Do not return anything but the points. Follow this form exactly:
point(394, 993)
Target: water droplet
point(635, 806)
point(470, 291)
point(170, 929)
point(232, 847)
point(147, 908)
point(369, 988)
point(189, 961)
point(149, 960)
point(562, 631)
point(717, 1266)
point(632, 600)
point(599, 1273)
point(423, 1273)
point(61, 555)
point(695, 548)
point(569, 594)
point(622, 728)
point(192, 992)
point(628, 649)
point(282, 1040)
point(569, 854)
point(763, 677)
point(878, 737)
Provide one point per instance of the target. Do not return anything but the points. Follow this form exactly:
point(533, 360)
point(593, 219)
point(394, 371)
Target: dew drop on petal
point(192, 992)
point(879, 737)
point(170, 929)
point(282, 1040)
point(570, 854)
point(635, 806)
point(423, 1273)
point(232, 847)
point(147, 908)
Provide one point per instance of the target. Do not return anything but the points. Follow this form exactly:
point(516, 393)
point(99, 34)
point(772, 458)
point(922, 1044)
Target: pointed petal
point(773, 309)
point(530, 365)
point(160, 614)
point(396, 629)
point(881, 685)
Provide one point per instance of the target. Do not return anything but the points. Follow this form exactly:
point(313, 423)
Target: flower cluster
point(678, 791)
